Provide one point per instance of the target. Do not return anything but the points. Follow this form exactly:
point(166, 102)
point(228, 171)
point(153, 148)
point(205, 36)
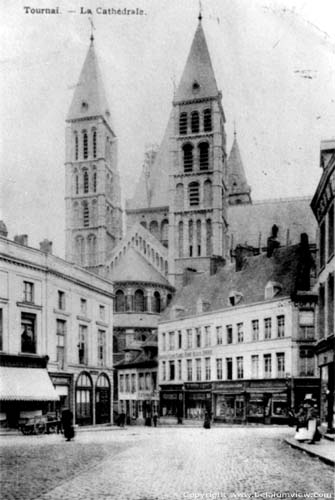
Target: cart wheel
point(40, 428)
point(25, 430)
point(51, 429)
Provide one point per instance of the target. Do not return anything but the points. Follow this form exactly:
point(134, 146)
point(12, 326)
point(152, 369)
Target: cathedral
point(191, 208)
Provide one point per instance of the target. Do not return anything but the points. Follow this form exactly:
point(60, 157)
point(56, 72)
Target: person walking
point(207, 421)
point(155, 418)
point(67, 424)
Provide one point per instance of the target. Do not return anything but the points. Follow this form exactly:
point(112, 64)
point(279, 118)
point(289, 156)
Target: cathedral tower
point(93, 197)
point(197, 185)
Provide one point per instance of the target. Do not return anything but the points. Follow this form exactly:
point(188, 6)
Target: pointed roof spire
point(237, 180)
point(89, 98)
point(200, 11)
point(198, 80)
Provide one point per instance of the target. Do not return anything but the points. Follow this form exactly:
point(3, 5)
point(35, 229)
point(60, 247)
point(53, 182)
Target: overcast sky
point(274, 61)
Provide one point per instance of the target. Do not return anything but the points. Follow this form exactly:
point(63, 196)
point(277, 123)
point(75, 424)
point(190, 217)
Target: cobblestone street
point(163, 463)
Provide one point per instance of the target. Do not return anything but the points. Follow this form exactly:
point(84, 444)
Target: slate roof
point(236, 173)
point(198, 69)
point(282, 267)
point(89, 90)
point(134, 267)
point(248, 222)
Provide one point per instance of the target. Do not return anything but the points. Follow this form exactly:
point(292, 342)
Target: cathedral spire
point(239, 190)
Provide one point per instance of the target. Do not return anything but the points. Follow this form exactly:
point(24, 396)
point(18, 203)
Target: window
point(267, 365)
point(85, 145)
point(1, 330)
point(180, 239)
point(306, 325)
point(127, 383)
point(280, 364)
point(331, 235)
point(306, 362)
point(203, 155)
point(148, 382)
point(208, 368)
point(208, 194)
point(171, 341)
point(94, 182)
point(183, 123)
point(254, 366)
point(82, 345)
point(179, 198)
point(281, 326)
point(198, 369)
point(189, 370)
point(219, 337)
point(120, 302)
point(229, 368)
point(209, 246)
point(86, 214)
point(28, 292)
point(60, 333)
point(61, 300)
point(133, 383)
point(207, 120)
point(141, 380)
point(240, 334)
point(198, 337)
point(179, 369)
point(188, 157)
point(86, 185)
point(207, 336)
point(83, 307)
point(163, 341)
point(163, 370)
point(189, 339)
point(255, 329)
point(193, 194)
point(139, 301)
point(331, 311)
point(101, 347)
point(94, 138)
point(28, 336)
point(195, 122)
point(172, 373)
point(76, 146)
point(267, 328)
point(77, 183)
point(102, 313)
point(198, 235)
point(219, 373)
point(239, 362)
point(322, 244)
point(156, 300)
point(121, 383)
point(190, 237)
point(80, 250)
point(229, 332)
point(180, 340)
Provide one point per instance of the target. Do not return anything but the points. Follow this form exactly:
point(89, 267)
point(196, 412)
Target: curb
point(312, 453)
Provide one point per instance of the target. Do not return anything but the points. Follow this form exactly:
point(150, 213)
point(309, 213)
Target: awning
point(26, 384)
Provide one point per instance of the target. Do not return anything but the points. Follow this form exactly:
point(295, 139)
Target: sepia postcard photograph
point(167, 249)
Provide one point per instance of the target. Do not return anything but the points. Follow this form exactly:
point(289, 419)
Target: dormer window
point(235, 298)
point(272, 289)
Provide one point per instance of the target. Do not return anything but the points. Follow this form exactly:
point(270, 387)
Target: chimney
point(21, 239)
point(272, 242)
point(46, 246)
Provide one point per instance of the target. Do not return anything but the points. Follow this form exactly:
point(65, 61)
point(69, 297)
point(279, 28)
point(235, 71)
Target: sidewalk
point(324, 449)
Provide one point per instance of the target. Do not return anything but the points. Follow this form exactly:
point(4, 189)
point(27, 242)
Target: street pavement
point(140, 463)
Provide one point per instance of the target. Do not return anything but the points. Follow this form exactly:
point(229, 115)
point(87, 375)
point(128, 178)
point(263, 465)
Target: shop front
point(228, 402)
point(198, 400)
point(172, 401)
point(62, 383)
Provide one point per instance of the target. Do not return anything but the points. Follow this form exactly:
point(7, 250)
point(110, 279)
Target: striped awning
point(26, 384)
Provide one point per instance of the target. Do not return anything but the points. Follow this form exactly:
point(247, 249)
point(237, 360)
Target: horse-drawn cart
point(36, 423)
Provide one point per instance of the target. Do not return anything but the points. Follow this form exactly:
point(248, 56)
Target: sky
point(274, 62)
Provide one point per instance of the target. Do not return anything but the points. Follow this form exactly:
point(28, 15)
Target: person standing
point(207, 421)
point(67, 424)
point(155, 418)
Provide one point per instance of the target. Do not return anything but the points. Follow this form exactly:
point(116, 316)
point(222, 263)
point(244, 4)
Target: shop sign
point(199, 396)
point(224, 386)
point(60, 380)
point(191, 387)
point(169, 396)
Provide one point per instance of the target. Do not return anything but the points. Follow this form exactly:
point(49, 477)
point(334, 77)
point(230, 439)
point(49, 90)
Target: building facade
point(51, 308)
point(240, 344)
point(323, 208)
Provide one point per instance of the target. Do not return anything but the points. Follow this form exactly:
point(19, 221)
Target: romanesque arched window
point(86, 214)
point(193, 194)
point(156, 306)
point(181, 239)
point(120, 302)
point(153, 228)
point(195, 122)
point(92, 249)
point(183, 123)
point(203, 155)
point(76, 146)
point(165, 232)
point(209, 245)
point(179, 196)
point(188, 157)
point(85, 181)
point(208, 197)
point(85, 145)
point(94, 143)
point(75, 220)
point(207, 120)
point(198, 235)
point(77, 183)
point(80, 250)
point(94, 181)
point(139, 301)
point(190, 238)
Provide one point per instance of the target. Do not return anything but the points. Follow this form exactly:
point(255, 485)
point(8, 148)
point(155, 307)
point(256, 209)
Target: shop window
point(28, 292)
point(267, 328)
point(84, 399)
point(82, 345)
point(239, 363)
point(183, 123)
point(61, 300)
point(189, 370)
point(229, 332)
point(198, 369)
point(219, 373)
point(195, 122)
point(281, 326)
point(267, 365)
point(280, 364)
point(188, 157)
point(28, 336)
point(60, 333)
point(219, 336)
point(229, 368)
point(254, 366)
point(203, 155)
point(207, 120)
point(255, 329)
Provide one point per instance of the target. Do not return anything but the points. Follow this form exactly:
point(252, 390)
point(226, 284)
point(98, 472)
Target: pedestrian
point(122, 419)
point(313, 422)
point(207, 421)
point(155, 418)
point(67, 424)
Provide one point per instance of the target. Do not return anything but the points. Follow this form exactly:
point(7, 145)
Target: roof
point(251, 224)
point(26, 384)
point(153, 191)
point(198, 69)
point(283, 267)
point(134, 267)
point(237, 181)
point(141, 360)
point(89, 98)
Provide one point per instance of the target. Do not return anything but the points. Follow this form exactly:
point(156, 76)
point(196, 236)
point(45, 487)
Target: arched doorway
point(102, 400)
point(84, 400)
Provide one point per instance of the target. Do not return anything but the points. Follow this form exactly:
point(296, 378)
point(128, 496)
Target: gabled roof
point(237, 181)
point(132, 266)
point(89, 98)
point(283, 267)
point(198, 69)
